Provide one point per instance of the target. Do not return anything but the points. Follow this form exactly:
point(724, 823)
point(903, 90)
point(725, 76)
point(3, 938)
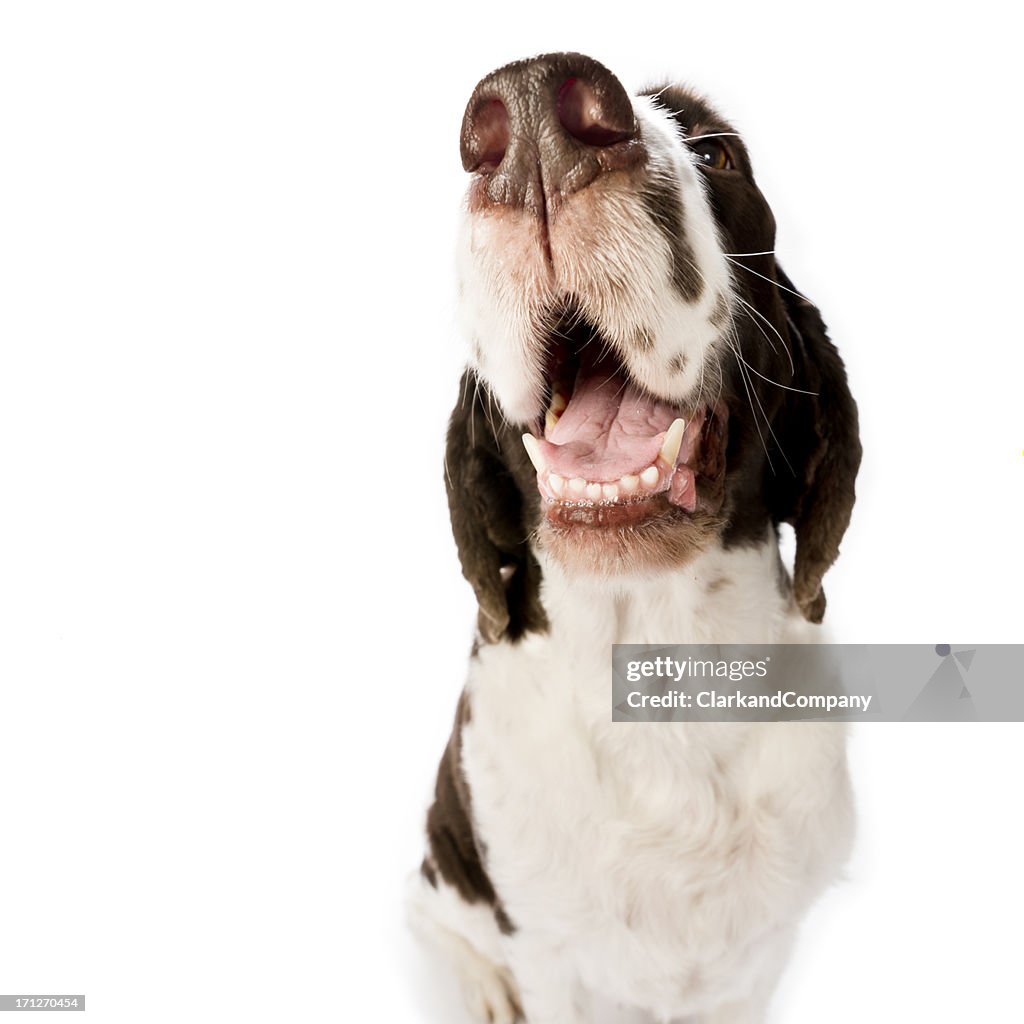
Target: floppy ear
point(818, 433)
point(492, 499)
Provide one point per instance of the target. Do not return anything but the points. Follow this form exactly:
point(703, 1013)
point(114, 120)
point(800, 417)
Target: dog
point(648, 397)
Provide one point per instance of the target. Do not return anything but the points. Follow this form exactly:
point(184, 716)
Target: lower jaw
point(640, 537)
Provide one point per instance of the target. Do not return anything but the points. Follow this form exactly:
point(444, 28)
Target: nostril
point(490, 135)
point(585, 117)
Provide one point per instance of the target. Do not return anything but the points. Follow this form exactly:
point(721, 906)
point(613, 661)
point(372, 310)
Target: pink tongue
point(609, 429)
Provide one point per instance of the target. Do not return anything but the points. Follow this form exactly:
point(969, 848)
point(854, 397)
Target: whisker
point(750, 401)
point(746, 305)
point(472, 420)
point(489, 413)
point(752, 309)
point(775, 438)
point(767, 422)
point(700, 383)
point(765, 277)
point(746, 309)
point(574, 321)
point(711, 135)
point(785, 387)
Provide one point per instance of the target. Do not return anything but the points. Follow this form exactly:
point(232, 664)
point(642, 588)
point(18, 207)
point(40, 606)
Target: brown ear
point(493, 500)
point(818, 433)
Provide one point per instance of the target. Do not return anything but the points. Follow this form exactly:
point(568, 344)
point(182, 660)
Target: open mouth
point(610, 453)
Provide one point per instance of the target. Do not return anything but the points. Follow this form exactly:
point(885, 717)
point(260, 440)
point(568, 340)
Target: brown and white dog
point(648, 398)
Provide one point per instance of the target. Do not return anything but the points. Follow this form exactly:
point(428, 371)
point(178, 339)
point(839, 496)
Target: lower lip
point(582, 515)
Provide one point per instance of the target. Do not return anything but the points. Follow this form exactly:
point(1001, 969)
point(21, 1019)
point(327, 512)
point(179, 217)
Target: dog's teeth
point(558, 403)
point(550, 420)
point(594, 492)
point(673, 441)
point(649, 477)
point(556, 483)
point(577, 485)
point(610, 492)
point(629, 483)
point(532, 446)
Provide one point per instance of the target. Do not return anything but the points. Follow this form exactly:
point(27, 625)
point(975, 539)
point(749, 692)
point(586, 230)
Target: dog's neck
point(737, 595)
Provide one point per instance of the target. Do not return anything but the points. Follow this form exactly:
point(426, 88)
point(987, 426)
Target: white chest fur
point(666, 865)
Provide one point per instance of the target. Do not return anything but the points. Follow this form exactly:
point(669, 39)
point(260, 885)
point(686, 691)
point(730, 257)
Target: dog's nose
point(540, 129)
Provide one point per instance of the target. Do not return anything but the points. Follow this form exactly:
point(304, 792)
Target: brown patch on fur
point(429, 872)
point(677, 364)
point(664, 206)
point(718, 584)
point(505, 925)
point(454, 849)
point(493, 501)
point(712, 463)
point(719, 315)
point(643, 340)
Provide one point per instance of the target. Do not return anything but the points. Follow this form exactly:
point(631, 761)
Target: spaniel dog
point(648, 398)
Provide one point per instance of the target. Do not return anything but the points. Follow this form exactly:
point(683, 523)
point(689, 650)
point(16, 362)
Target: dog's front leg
point(549, 987)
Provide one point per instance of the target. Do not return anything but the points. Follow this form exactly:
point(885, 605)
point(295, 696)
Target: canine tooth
point(610, 492)
point(649, 477)
point(673, 441)
point(558, 403)
point(577, 485)
point(594, 492)
point(556, 483)
point(629, 483)
point(550, 419)
point(532, 446)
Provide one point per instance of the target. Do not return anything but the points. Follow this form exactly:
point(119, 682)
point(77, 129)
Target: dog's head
point(644, 379)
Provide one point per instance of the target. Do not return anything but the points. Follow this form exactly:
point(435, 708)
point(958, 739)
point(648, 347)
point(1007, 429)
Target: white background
point(233, 627)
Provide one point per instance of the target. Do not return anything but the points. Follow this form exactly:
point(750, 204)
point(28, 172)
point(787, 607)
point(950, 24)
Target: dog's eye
point(712, 153)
